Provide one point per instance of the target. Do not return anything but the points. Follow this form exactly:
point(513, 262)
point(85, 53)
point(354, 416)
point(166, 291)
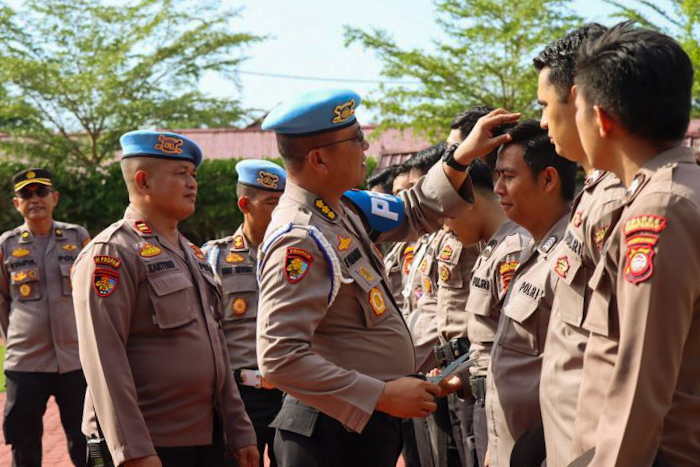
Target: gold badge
point(25, 235)
point(238, 242)
point(59, 232)
point(240, 306)
point(267, 179)
point(148, 250)
point(376, 301)
point(444, 273)
point(427, 286)
point(446, 253)
point(20, 252)
point(234, 258)
point(324, 209)
point(562, 267)
point(366, 275)
point(344, 111)
point(25, 290)
point(424, 266)
point(343, 242)
point(19, 276)
point(600, 236)
point(169, 145)
point(31, 174)
point(70, 247)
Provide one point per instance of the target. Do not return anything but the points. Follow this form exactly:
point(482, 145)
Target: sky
point(306, 40)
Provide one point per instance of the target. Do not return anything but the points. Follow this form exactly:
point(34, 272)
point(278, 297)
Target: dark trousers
point(462, 421)
point(195, 456)
point(417, 451)
point(27, 395)
point(332, 445)
point(262, 406)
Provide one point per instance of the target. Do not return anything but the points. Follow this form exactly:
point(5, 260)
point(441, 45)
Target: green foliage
point(79, 73)
point(372, 164)
point(487, 60)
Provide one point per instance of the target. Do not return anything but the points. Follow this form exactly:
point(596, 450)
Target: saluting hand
point(408, 397)
point(247, 456)
point(481, 140)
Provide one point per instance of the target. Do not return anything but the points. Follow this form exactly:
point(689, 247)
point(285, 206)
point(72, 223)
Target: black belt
point(478, 385)
point(454, 349)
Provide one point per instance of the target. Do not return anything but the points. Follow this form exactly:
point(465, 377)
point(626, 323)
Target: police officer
point(579, 252)
point(329, 333)
point(234, 260)
point(38, 321)
point(638, 401)
point(160, 387)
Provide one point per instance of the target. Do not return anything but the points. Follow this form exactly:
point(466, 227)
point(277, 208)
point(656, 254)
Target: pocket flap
point(239, 283)
point(479, 302)
point(25, 275)
point(299, 419)
point(169, 283)
point(365, 276)
point(65, 269)
point(520, 307)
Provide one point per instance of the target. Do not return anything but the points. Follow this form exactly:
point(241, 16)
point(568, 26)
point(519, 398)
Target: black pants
point(332, 445)
point(416, 451)
point(262, 406)
point(462, 420)
point(195, 456)
point(27, 395)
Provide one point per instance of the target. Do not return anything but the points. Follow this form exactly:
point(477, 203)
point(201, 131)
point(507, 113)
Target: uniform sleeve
point(103, 321)
point(428, 204)
point(4, 296)
point(84, 236)
point(657, 289)
point(295, 283)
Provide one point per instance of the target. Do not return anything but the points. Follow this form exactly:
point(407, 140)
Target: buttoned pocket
point(66, 285)
point(296, 418)
point(370, 294)
point(521, 329)
point(482, 325)
point(598, 316)
point(25, 284)
point(240, 296)
point(449, 275)
point(172, 300)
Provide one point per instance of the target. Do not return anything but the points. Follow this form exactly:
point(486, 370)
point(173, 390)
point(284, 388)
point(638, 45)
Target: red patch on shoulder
point(297, 264)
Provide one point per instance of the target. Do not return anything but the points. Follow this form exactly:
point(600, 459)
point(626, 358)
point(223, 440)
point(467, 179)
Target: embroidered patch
point(238, 242)
point(376, 301)
point(324, 209)
point(148, 250)
point(578, 218)
point(366, 275)
point(446, 253)
point(343, 242)
point(649, 223)
point(142, 227)
point(562, 267)
point(197, 251)
point(506, 271)
point(599, 235)
point(297, 264)
point(25, 290)
point(20, 252)
point(444, 273)
point(343, 112)
point(70, 247)
point(424, 266)
point(234, 258)
point(105, 281)
point(642, 239)
point(107, 261)
point(639, 266)
point(239, 306)
point(169, 144)
point(408, 259)
point(267, 179)
point(427, 285)
point(20, 276)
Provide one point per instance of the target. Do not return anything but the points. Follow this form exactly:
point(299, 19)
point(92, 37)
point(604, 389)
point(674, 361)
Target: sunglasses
point(359, 138)
point(26, 193)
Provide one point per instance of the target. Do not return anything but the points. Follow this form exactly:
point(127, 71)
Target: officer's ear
point(603, 120)
point(317, 160)
point(549, 178)
point(141, 181)
point(243, 204)
point(15, 202)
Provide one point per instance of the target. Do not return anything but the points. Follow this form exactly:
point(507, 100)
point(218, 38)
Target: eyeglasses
point(41, 191)
point(359, 137)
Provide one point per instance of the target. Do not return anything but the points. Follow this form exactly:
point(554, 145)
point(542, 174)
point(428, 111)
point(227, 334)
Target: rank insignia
point(578, 218)
point(169, 144)
point(599, 236)
point(105, 281)
point(70, 247)
point(239, 306)
point(376, 301)
point(446, 253)
point(506, 271)
point(20, 276)
point(297, 264)
point(343, 242)
point(197, 251)
point(148, 250)
point(25, 235)
point(324, 209)
point(562, 267)
point(107, 261)
point(267, 179)
point(20, 252)
point(238, 242)
point(427, 285)
point(234, 258)
point(366, 275)
point(25, 290)
point(142, 227)
point(444, 273)
point(344, 111)
point(59, 232)
point(648, 223)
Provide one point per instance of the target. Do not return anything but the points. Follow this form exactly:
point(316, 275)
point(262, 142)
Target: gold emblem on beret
point(267, 179)
point(169, 145)
point(31, 174)
point(343, 112)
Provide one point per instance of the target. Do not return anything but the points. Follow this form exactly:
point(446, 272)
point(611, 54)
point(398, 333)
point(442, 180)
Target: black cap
point(29, 176)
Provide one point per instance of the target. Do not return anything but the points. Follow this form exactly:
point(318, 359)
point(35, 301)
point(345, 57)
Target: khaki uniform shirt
point(641, 374)
point(454, 264)
point(36, 308)
point(489, 281)
point(329, 332)
point(513, 378)
point(152, 349)
point(574, 260)
point(394, 270)
point(234, 262)
point(413, 285)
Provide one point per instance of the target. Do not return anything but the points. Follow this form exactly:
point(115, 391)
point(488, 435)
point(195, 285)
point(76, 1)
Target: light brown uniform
point(328, 331)
point(640, 391)
point(36, 307)
point(574, 260)
point(152, 351)
point(394, 270)
point(513, 377)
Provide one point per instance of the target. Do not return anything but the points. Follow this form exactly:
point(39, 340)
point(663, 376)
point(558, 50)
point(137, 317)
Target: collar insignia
point(142, 227)
point(324, 209)
point(343, 242)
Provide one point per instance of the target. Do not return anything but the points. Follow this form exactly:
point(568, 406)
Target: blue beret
point(382, 212)
point(261, 174)
point(314, 112)
point(160, 144)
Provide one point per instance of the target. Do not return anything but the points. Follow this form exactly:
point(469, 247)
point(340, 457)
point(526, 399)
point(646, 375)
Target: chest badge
point(366, 275)
point(234, 258)
point(427, 285)
point(70, 247)
point(148, 250)
point(562, 267)
point(344, 242)
point(25, 290)
point(239, 306)
point(20, 252)
point(376, 301)
point(297, 264)
point(446, 253)
point(444, 273)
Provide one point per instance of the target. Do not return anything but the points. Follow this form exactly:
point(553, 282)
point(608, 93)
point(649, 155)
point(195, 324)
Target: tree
point(487, 60)
point(80, 73)
point(677, 18)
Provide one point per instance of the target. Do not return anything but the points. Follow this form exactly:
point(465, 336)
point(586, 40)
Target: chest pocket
point(66, 285)
point(520, 331)
point(172, 295)
point(370, 293)
point(482, 325)
point(571, 285)
point(600, 307)
point(449, 275)
point(25, 284)
point(240, 296)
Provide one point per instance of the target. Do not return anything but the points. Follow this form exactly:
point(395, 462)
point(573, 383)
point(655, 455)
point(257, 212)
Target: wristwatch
point(449, 158)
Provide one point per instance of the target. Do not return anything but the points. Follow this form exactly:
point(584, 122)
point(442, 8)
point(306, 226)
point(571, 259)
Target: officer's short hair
point(131, 165)
point(247, 191)
point(466, 119)
point(481, 175)
point(560, 57)
point(539, 153)
point(383, 177)
point(425, 159)
point(642, 78)
point(293, 150)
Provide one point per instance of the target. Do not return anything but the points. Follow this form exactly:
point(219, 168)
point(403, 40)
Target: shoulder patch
point(107, 261)
point(506, 271)
point(197, 251)
point(105, 281)
point(297, 264)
